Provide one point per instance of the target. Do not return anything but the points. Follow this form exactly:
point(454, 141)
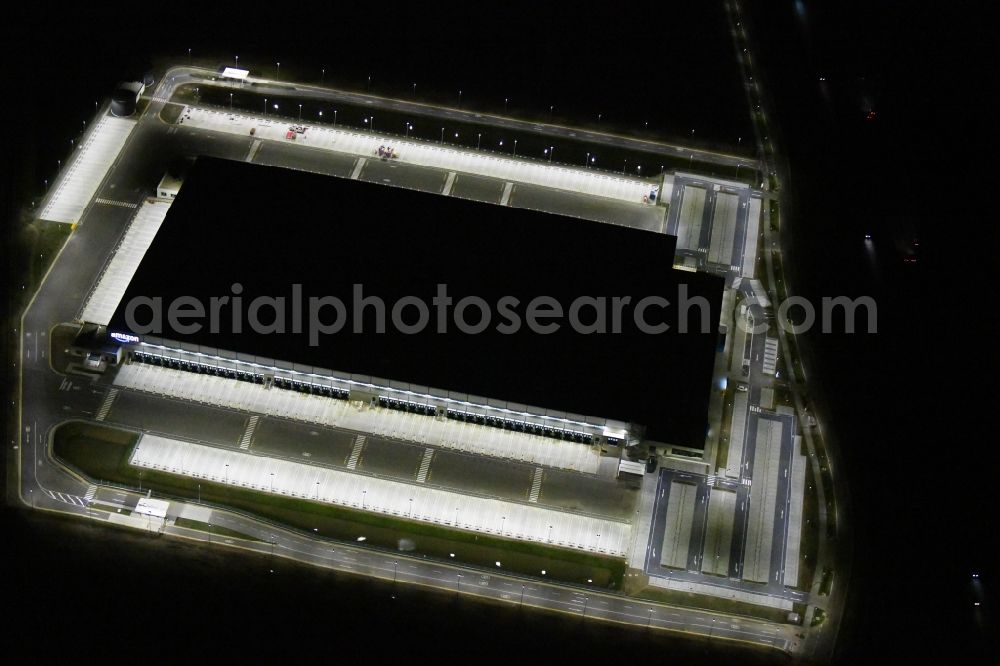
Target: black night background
point(888, 128)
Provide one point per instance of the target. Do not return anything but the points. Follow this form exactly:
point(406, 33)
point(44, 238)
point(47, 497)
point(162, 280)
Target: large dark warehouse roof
point(269, 229)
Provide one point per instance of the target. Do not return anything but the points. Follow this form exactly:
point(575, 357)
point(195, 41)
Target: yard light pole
point(300, 111)
point(277, 76)
point(479, 140)
point(515, 147)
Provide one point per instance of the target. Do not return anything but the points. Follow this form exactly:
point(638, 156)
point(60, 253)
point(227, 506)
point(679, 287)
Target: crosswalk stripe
point(507, 189)
point(448, 183)
point(425, 465)
point(112, 202)
point(359, 443)
point(358, 167)
point(536, 484)
point(248, 435)
point(106, 405)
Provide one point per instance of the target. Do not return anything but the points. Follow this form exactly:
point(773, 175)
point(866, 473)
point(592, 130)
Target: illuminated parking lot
point(85, 172)
point(410, 501)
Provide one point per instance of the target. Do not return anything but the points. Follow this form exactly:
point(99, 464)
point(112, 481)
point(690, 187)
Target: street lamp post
point(505, 100)
point(230, 101)
point(335, 117)
point(552, 150)
point(515, 147)
point(408, 128)
point(479, 140)
point(551, 107)
point(189, 57)
point(277, 76)
point(460, 99)
point(322, 76)
point(300, 112)
point(237, 61)
point(442, 135)
point(265, 107)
